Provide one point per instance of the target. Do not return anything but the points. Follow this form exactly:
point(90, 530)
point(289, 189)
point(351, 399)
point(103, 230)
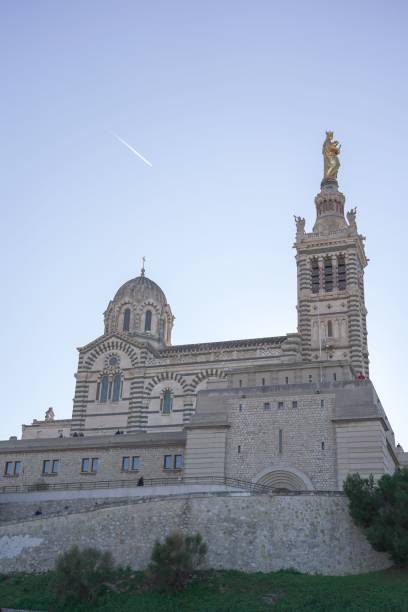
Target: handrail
point(238, 483)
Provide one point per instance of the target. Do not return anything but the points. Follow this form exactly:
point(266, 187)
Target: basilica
point(296, 411)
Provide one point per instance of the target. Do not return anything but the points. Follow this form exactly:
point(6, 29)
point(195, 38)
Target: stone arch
point(117, 314)
point(108, 346)
point(166, 376)
point(284, 477)
point(209, 373)
point(141, 309)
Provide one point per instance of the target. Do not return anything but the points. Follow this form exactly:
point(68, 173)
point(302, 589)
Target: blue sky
point(229, 101)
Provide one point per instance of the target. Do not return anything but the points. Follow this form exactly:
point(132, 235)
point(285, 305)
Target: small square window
point(178, 462)
point(94, 465)
point(267, 406)
point(85, 465)
point(125, 464)
point(135, 463)
point(294, 404)
point(280, 405)
point(168, 464)
point(46, 466)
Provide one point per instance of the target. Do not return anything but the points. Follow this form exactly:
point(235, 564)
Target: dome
point(140, 310)
point(140, 288)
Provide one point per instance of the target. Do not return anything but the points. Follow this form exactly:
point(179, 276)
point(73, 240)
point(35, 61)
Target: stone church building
point(296, 411)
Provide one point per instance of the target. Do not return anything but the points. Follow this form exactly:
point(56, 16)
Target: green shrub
point(174, 560)
point(381, 510)
point(82, 575)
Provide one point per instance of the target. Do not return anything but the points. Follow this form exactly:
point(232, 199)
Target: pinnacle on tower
point(330, 201)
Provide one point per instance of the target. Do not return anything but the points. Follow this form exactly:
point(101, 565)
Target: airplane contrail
point(146, 161)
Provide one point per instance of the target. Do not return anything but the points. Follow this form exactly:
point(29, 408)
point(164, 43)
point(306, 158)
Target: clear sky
point(229, 101)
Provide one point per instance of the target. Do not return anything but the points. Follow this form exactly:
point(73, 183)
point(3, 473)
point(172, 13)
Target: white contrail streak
point(146, 161)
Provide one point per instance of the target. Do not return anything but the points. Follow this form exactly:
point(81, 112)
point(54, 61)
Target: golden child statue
point(331, 150)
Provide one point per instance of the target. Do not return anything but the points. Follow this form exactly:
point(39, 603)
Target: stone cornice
point(340, 240)
point(93, 442)
point(207, 347)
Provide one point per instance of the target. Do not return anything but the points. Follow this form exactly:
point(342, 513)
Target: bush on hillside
point(381, 510)
point(174, 561)
point(83, 575)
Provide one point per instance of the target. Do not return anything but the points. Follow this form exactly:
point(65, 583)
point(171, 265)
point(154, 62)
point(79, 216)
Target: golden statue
point(331, 150)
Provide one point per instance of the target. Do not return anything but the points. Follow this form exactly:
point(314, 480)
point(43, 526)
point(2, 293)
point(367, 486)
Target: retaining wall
point(312, 533)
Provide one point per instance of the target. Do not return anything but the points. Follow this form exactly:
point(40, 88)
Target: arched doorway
point(284, 477)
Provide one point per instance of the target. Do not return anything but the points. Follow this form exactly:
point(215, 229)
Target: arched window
point(117, 383)
point(341, 272)
point(148, 320)
point(166, 403)
point(315, 276)
point(328, 274)
point(104, 389)
point(126, 319)
point(329, 329)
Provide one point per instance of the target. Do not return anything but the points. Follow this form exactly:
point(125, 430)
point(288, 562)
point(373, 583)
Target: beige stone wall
point(362, 448)
point(205, 452)
point(109, 464)
point(253, 438)
point(311, 534)
point(46, 429)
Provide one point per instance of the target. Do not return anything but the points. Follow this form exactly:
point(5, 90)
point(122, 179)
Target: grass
point(224, 591)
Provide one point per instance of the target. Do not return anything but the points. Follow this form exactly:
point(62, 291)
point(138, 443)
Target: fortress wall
point(309, 533)
point(12, 512)
point(16, 507)
point(304, 429)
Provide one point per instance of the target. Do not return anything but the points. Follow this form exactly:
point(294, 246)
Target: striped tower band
point(304, 322)
point(356, 313)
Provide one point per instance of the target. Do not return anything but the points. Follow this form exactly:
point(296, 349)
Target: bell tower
point(330, 270)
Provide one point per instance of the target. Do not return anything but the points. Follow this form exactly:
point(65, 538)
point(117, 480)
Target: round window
point(113, 361)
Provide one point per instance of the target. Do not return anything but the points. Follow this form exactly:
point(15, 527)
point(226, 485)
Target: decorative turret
point(331, 262)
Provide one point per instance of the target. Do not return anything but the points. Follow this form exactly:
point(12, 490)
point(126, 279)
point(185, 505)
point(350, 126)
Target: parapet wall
point(309, 533)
